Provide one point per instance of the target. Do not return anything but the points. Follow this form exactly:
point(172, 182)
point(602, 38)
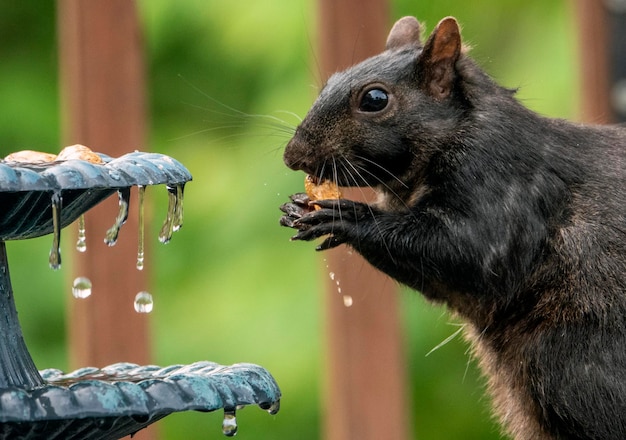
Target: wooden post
point(602, 31)
point(103, 98)
point(366, 389)
point(594, 53)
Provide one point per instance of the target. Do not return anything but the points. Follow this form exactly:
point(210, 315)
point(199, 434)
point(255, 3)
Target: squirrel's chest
point(507, 378)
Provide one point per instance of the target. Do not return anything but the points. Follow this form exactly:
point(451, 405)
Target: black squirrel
point(515, 221)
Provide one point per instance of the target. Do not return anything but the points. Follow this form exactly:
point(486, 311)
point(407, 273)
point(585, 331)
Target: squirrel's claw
point(329, 243)
point(295, 210)
point(301, 199)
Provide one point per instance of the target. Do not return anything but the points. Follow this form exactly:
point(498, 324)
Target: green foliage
point(230, 287)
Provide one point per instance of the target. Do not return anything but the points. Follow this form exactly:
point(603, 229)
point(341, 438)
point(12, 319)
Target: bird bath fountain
point(42, 197)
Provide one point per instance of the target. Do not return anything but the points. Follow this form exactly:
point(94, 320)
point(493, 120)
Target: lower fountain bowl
point(121, 399)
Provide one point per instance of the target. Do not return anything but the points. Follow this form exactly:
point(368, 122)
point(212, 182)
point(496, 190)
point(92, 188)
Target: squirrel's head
point(373, 121)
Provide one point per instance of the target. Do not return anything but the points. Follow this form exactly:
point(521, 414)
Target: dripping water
point(124, 199)
point(229, 424)
point(55, 252)
point(174, 219)
point(143, 302)
point(178, 211)
point(347, 299)
point(81, 243)
point(81, 288)
point(140, 246)
point(271, 408)
point(165, 235)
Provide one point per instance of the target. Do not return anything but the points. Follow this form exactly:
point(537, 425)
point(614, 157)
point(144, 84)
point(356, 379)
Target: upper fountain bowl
point(27, 189)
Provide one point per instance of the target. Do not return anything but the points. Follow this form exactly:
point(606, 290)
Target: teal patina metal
point(120, 399)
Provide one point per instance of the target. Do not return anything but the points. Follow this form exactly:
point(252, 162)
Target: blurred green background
point(230, 286)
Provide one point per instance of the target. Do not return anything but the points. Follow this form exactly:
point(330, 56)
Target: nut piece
point(318, 189)
point(79, 152)
point(30, 156)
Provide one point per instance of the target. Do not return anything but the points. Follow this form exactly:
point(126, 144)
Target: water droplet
point(142, 190)
point(178, 212)
point(81, 243)
point(124, 199)
point(333, 277)
point(274, 408)
point(174, 219)
point(143, 302)
point(81, 287)
point(165, 235)
point(229, 424)
point(347, 299)
point(55, 252)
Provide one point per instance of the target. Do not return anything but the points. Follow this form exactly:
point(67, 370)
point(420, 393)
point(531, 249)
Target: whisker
point(380, 167)
point(205, 130)
point(240, 119)
point(212, 99)
point(292, 114)
point(238, 134)
point(377, 224)
point(234, 114)
point(382, 183)
point(335, 175)
point(260, 120)
point(321, 171)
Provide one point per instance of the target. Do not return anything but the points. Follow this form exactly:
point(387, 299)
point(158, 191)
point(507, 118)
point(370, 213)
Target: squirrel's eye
point(374, 100)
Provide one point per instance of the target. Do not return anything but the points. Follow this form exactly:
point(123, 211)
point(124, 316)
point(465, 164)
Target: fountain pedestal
point(121, 399)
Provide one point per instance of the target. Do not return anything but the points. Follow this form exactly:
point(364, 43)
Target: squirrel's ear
point(405, 31)
point(436, 65)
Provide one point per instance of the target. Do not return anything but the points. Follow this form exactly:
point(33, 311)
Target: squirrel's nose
point(295, 153)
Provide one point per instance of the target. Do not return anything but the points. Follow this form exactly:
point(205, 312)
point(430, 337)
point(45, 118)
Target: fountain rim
point(28, 190)
point(132, 169)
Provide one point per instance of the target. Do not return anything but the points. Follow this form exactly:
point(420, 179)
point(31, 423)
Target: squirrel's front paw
point(335, 218)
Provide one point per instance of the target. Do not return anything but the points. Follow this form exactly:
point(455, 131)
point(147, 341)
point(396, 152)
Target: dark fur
point(515, 221)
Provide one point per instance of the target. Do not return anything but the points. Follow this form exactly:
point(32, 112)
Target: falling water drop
point(124, 199)
point(81, 287)
point(229, 424)
point(174, 219)
point(142, 190)
point(143, 302)
point(55, 252)
point(347, 299)
point(81, 243)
